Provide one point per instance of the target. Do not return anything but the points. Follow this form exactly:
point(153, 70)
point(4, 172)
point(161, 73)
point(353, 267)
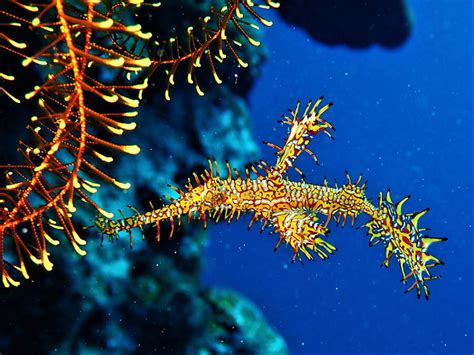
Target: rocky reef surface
point(355, 23)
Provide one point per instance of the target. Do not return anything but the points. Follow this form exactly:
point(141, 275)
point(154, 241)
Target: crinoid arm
point(303, 232)
point(403, 239)
point(61, 161)
point(302, 130)
point(211, 42)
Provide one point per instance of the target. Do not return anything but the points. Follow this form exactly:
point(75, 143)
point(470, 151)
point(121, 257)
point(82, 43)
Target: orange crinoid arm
point(78, 42)
point(72, 101)
point(210, 43)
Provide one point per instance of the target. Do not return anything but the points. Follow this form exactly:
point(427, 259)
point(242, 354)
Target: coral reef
point(239, 326)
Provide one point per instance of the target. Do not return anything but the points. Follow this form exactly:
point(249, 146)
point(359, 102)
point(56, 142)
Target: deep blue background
point(403, 119)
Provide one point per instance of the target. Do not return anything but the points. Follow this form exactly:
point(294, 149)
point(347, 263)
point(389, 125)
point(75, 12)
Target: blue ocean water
point(404, 120)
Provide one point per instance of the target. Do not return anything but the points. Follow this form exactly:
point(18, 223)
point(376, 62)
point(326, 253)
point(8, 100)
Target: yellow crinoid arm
point(220, 35)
